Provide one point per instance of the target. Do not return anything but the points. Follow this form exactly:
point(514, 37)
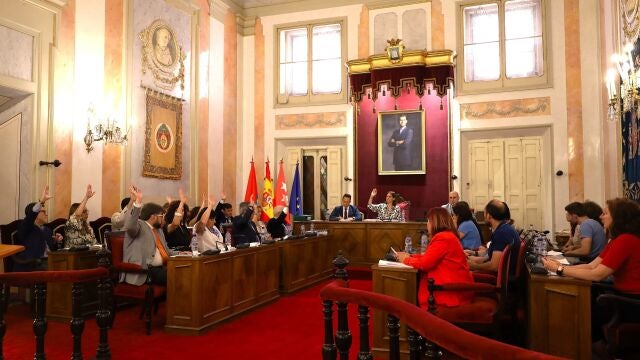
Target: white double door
point(508, 170)
point(326, 165)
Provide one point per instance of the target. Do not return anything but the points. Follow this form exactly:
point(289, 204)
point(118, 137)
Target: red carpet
point(289, 328)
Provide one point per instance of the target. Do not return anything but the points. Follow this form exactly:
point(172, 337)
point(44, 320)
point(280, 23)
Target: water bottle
point(423, 242)
point(194, 246)
point(407, 244)
point(311, 227)
point(227, 240)
point(302, 229)
point(105, 236)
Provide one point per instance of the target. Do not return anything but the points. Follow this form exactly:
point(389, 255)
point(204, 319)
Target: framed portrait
point(401, 142)
point(162, 55)
point(163, 137)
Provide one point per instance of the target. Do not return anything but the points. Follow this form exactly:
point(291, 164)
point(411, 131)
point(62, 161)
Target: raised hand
point(210, 201)
point(183, 197)
point(45, 194)
point(89, 193)
point(136, 194)
point(223, 197)
point(168, 198)
point(374, 192)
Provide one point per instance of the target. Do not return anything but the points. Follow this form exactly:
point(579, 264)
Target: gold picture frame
point(163, 137)
point(401, 147)
point(162, 55)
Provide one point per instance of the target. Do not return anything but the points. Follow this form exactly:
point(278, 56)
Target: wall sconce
point(627, 97)
point(110, 133)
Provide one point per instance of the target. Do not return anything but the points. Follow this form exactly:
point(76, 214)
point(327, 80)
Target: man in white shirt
point(454, 197)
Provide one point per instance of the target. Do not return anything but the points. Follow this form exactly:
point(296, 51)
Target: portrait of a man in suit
point(401, 143)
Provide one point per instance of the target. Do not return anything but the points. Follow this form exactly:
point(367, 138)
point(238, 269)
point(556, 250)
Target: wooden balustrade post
point(393, 326)
point(77, 320)
point(414, 344)
point(39, 320)
point(328, 348)
point(340, 263)
point(343, 335)
point(365, 349)
point(4, 302)
point(104, 316)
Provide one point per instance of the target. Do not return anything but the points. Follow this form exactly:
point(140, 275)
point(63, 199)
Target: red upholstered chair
point(147, 294)
point(486, 311)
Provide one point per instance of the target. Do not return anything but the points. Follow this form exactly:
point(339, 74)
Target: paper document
point(553, 253)
point(386, 263)
point(564, 261)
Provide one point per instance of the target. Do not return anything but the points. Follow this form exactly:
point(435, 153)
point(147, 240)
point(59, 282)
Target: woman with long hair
point(387, 211)
point(77, 231)
point(468, 229)
point(175, 225)
point(444, 260)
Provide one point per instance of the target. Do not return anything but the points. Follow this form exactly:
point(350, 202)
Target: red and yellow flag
point(267, 195)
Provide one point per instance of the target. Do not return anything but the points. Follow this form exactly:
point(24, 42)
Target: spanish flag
point(267, 194)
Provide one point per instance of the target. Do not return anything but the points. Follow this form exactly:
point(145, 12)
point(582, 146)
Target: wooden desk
point(366, 242)
point(8, 250)
point(402, 284)
point(305, 262)
point(205, 290)
point(59, 294)
point(560, 316)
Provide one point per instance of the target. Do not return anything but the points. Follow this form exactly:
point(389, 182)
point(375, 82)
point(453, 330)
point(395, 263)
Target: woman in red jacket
point(444, 260)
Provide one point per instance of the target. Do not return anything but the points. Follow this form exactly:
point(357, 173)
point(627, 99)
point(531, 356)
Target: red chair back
point(503, 268)
point(520, 263)
point(115, 243)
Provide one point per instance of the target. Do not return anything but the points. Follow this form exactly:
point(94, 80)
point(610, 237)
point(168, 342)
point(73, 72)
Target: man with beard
point(144, 242)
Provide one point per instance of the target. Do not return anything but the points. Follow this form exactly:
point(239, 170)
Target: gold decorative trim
point(630, 18)
point(409, 58)
point(311, 121)
point(506, 109)
point(165, 61)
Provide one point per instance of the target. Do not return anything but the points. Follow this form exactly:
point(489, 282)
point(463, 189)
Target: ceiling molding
point(246, 17)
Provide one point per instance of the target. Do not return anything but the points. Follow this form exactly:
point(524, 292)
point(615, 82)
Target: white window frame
point(503, 83)
point(284, 100)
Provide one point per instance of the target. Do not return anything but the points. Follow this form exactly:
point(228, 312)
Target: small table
point(8, 250)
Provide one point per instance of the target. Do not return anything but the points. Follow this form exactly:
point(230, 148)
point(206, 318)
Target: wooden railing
point(37, 281)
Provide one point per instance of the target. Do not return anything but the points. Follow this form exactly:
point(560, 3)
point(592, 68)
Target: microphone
point(223, 244)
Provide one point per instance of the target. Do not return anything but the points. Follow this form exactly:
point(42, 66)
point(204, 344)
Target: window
point(502, 45)
point(310, 63)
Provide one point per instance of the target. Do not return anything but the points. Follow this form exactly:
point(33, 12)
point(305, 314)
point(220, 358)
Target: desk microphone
point(223, 244)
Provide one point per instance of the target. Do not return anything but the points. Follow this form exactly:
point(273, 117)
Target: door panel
point(10, 174)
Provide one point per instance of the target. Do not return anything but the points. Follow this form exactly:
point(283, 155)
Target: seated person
point(276, 225)
point(193, 215)
point(144, 242)
point(444, 261)
point(498, 216)
point(206, 232)
point(175, 227)
point(35, 237)
point(620, 257)
point(454, 197)
point(388, 211)
point(77, 231)
point(468, 228)
point(118, 218)
point(224, 212)
point(592, 238)
point(345, 212)
point(257, 220)
point(244, 230)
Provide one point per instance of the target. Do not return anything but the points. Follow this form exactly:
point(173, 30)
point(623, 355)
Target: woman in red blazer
point(444, 260)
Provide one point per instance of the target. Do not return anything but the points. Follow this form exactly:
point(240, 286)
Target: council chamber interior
point(284, 107)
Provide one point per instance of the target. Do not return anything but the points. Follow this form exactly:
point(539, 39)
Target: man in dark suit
point(276, 226)
point(144, 242)
point(35, 237)
point(400, 141)
point(345, 212)
point(244, 230)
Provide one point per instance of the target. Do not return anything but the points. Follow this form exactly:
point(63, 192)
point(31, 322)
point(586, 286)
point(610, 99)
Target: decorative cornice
point(506, 109)
point(218, 9)
point(246, 25)
point(311, 121)
point(409, 58)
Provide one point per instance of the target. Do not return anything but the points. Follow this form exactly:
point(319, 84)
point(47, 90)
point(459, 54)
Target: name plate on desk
point(394, 264)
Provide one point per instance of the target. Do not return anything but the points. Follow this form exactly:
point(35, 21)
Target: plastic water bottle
point(105, 236)
point(311, 227)
point(194, 246)
point(423, 242)
point(227, 240)
point(302, 229)
point(408, 244)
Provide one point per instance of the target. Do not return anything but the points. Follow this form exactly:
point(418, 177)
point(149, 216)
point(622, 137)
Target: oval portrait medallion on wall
point(164, 137)
point(162, 55)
